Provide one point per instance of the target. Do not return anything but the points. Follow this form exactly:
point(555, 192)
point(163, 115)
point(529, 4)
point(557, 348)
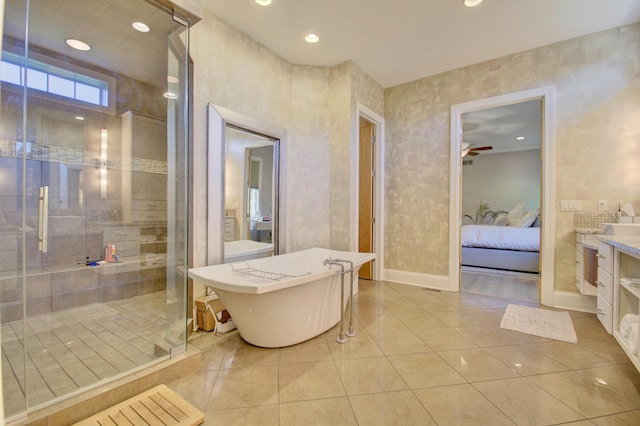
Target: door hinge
point(373, 138)
point(373, 220)
point(373, 173)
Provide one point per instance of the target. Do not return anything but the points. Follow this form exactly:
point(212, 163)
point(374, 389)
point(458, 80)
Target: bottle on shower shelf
point(108, 252)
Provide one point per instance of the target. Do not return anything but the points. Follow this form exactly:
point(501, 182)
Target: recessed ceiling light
point(472, 3)
point(263, 2)
point(170, 95)
point(77, 44)
point(520, 138)
point(79, 117)
point(140, 26)
point(312, 38)
point(172, 79)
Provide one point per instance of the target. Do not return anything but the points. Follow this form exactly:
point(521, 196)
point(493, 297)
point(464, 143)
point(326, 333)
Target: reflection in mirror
point(250, 194)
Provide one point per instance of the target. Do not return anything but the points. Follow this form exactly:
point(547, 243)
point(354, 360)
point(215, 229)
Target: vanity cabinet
point(627, 297)
point(230, 228)
point(585, 283)
point(605, 285)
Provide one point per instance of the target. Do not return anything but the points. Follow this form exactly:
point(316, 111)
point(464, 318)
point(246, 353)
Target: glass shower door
point(93, 154)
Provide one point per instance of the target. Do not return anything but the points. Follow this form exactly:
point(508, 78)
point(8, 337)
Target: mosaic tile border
point(60, 154)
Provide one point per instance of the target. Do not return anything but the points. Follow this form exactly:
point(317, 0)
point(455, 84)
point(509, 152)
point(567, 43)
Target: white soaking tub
point(285, 299)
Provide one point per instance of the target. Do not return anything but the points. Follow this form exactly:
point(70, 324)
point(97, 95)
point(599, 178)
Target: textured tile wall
point(314, 105)
point(597, 81)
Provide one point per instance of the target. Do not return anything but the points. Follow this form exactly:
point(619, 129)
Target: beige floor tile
point(402, 306)
point(589, 327)
point(605, 347)
point(514, 398)
point(360, 346)
point(444, 339)
point(417, 293)
point(573, 356)
point(457, 318)
point(624, 419)
point(425, 370)
point(390, 408)
point(435, 306)
point(419, 320)
point(310, 351)
point(494, 302)
point(526, 361)
point(369, 375)
point(460, 405)
point(477, 365)
point(211, 357)
point(399, 342)
point(465, 303)
point(321, 412)
point(487, 316)
point(595, 392)
point(487, 335)
point(297, 382)
point(244, 387)
point(243, 355)
point(266, 415)
point(195, 388)
point(381, 323)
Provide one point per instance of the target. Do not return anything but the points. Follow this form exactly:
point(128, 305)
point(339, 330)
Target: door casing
point(547, 212)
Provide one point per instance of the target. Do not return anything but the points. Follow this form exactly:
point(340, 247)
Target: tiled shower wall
point(597, 83)
point(49, 292)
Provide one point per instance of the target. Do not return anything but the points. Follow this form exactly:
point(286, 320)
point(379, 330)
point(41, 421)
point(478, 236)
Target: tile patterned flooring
point(79, 347)
point(420, 357)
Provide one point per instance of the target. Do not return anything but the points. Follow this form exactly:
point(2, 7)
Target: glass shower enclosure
point(93, 194)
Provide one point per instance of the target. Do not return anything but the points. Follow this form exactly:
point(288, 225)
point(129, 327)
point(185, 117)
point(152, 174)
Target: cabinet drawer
point(149, 205)
point(605, 257)
point(148, 216)
point(605, 314)
point(605, 285)
point(121, 233)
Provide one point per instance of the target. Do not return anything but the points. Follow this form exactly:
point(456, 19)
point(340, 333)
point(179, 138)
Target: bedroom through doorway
point(501, 180)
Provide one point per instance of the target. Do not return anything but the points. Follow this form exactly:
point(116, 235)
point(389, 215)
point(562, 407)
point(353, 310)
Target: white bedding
point(501, 237)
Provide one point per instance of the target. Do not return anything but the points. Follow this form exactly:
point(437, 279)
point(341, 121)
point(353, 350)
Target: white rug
point(539, 322)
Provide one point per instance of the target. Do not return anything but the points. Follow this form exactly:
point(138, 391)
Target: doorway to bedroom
point(480, 117)
point(500, 201)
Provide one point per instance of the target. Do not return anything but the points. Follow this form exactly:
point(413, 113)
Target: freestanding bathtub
point(285, 299)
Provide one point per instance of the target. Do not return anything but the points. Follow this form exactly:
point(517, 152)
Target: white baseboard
point(574, 301)
point(436, 282)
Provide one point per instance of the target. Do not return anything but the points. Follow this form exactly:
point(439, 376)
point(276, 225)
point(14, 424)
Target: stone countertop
point(627, 244)
point(592, 244)
point(588, 230)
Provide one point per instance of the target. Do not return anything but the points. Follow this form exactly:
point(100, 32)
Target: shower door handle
point(43, 218)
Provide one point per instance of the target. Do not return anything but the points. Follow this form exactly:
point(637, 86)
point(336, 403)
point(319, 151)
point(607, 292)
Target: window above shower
point(67, 83)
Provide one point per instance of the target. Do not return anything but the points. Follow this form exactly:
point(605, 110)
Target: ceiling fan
point(468, 150)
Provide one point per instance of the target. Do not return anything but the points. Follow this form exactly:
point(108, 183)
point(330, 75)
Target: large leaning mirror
point(250, 194)
point(244, 156)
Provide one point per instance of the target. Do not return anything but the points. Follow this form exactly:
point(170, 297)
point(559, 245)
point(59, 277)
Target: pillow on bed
point(502, 220)
point(515, 214)
point(527, 220)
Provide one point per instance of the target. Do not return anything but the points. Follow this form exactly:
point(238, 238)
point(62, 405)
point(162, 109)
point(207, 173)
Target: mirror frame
point(218, 119)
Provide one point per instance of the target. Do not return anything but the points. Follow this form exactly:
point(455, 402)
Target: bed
point(501, 247)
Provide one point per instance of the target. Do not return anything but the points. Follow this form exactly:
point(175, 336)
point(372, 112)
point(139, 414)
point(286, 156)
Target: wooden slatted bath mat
point(157, 406)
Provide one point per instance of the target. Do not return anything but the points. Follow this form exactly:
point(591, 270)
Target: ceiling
point(403, 40)
point(499, 127)
point(106, 26)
